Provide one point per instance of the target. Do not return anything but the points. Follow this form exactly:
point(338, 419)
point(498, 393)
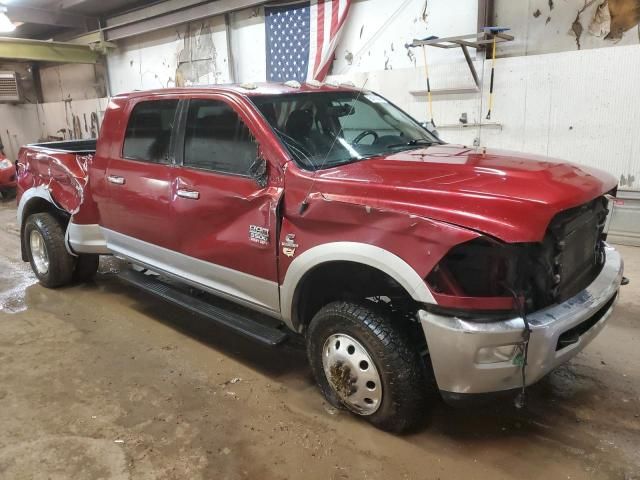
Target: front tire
point(367, 362)
point(46, 250)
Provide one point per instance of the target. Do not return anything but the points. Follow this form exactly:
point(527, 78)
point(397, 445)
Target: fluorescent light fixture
point(6, 25)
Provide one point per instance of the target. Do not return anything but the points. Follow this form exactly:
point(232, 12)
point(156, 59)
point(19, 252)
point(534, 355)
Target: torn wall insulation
point(197, 61)
point(568, 25)
point(615, 17)
point(196, 53)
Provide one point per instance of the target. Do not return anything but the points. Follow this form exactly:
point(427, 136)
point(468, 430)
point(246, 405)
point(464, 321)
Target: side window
point(149, 131)
point(217, 139)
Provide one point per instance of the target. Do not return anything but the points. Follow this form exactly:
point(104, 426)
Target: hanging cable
point(493, 31)
point(493, 69)
point(521, 399)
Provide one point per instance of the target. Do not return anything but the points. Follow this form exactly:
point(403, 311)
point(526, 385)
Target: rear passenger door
point(225, 222)
point(139, 178)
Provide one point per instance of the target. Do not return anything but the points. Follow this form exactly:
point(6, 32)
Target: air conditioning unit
point(9, 88)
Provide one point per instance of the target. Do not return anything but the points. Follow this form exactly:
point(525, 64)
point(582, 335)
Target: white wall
point(376, 32)
point(20, 125)
point(188, 54)
point(72, 81)
point(248, 45)
point(72, 119)
point(557, 105)
point(554, 29)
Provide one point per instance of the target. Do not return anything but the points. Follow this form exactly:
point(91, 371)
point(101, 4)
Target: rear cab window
point(149, 131)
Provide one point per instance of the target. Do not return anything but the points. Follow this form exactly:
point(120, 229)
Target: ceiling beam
point(149, 11)
point(41, 51)
point(149, 19)
point(71, 3)
point(55, 18)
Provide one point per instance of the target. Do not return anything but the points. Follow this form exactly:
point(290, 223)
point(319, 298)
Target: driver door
point(224, 221)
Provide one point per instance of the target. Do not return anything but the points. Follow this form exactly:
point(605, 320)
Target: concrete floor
point(102, 381)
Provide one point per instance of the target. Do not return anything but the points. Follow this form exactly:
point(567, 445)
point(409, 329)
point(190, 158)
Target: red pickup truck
point(327, 212)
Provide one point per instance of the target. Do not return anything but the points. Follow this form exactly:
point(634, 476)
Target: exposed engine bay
point(492, 276)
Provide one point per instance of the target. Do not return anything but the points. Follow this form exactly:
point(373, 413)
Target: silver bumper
point(458, 347)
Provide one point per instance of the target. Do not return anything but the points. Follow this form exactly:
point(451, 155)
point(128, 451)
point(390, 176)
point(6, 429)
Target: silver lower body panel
point(86, 239)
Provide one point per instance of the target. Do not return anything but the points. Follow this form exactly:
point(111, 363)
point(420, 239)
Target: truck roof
point(247, 89)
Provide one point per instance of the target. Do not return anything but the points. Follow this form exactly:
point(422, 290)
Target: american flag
point(301, 38)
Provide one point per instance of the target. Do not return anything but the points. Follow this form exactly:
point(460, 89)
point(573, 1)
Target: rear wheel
point(368, 363)
point(47, 253)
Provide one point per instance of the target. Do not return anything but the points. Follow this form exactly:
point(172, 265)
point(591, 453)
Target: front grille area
point(571, 255)
point(578, 237)
point(573, 335)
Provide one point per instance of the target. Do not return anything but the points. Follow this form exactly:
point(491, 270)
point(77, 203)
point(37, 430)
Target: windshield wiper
point(413, 143)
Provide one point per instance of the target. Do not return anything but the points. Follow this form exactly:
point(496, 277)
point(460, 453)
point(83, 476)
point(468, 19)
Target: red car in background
point(7, 174)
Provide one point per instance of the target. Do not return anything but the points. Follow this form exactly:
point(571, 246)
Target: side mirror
point(258, 171)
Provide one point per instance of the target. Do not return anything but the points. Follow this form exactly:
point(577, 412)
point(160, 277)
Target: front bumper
point(455, 345)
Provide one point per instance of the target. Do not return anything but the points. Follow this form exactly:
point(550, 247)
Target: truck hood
point(508, 195)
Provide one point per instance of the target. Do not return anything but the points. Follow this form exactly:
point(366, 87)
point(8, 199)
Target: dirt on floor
point(100, 381)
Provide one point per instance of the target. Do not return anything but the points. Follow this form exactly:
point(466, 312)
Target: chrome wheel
point(39, 252)
point(352, 374)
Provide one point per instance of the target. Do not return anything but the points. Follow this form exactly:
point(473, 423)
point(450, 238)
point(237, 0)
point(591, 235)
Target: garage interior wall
point(559, 105)
point(549, 101)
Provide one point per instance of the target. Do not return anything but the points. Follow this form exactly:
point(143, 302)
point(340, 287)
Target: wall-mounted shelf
point(473, 40)
point(461, 126)
point(446, 91)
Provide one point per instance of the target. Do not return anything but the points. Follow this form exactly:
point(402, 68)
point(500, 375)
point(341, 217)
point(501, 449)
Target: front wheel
point(366, 362)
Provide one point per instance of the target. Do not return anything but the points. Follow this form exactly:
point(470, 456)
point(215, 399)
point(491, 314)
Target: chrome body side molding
point(86, 239)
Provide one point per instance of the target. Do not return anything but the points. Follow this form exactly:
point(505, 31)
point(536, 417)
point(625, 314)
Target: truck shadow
point(7, 197)
point(286, 360)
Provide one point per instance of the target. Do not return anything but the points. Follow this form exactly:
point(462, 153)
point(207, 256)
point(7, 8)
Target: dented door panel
point(217, 227)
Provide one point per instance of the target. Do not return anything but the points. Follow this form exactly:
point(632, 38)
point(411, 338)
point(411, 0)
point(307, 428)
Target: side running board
point(218, 314)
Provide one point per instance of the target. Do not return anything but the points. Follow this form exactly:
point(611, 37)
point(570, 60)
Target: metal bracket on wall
point(473, 40)
point(461, 126)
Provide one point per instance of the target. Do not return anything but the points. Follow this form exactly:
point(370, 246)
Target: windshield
point(327, 129)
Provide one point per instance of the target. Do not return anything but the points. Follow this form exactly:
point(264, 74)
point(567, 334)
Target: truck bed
point(60, 168)
point(69, 146)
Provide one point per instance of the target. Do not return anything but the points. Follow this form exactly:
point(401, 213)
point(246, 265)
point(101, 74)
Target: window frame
point(176, 121)
point(180, 143)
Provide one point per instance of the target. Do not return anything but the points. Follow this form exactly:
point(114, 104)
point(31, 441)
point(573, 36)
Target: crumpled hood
point(508, 195)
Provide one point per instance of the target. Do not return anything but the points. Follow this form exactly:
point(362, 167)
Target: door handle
point(190, 194)
point(115, 179)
